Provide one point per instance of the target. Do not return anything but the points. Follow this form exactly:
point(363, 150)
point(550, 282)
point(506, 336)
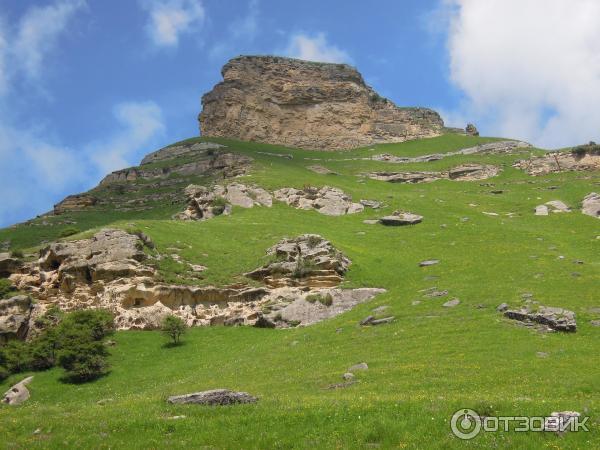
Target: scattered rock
point(542, 354)
point(348, 376)
point(591, 205)
point(371, 221)
point(464, 172)
point(557, 319)
point(374, 204)
point(557, 206)
point(434, 293)
point(371, 320)
point(321, 170)
point(17, 394)
point(401, 218)
point(429, 262)
point(359, 366)
point(326, 200)
point(451, 303)
point(541, 210)
point(502, 307)
point(215, 397)
point(308, 105)
point(559, 162)
point(341, 385)
point(595, 323)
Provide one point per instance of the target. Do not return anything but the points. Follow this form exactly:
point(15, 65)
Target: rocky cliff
point(308, 105)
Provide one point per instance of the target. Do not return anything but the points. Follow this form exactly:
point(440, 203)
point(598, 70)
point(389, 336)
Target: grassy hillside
point(427, 364)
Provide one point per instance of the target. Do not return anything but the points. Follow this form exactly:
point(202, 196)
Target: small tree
point(174, 328)
point(82, 356)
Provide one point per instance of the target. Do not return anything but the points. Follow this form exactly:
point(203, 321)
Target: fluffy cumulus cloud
point(141, 123)
point(528, 69)
point(36, 169)
point(168, 19)
point(315, 48)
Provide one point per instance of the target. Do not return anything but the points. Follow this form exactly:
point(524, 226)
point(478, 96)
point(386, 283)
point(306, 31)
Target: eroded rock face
point(464, 172)
point(307, 260)
point(591, 205)
point(215, 397)
point(559, 162)
point(74, 203)
point(176, 151)
point(206, 203)
point(326, 200)
point(8, 265)
point(308, 105)
point(15, 313)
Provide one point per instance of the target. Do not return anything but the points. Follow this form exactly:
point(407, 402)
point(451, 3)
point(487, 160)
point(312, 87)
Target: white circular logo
point(465, 424)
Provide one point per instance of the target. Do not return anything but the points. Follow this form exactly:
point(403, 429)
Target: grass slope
point(427, 364)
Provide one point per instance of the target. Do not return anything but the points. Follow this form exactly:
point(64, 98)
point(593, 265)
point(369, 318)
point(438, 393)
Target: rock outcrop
point(555, 206)
point(308, 105)
point(491, 148)
point(8, 265)
point(205, 203)
point(308, 260)
point(75, 203)
point(464, 172)
point(557, 319)
point(326, 200)
point(15, 313)
point(591, 205)
point(215, 397)
point(560, 162)
point(401, 218)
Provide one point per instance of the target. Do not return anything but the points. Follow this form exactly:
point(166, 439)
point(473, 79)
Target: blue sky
point(90, 86)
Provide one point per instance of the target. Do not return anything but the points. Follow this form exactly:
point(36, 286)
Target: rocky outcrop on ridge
point(308, 105)
point(204, 203)
point(560, 162)
point(8, 265)
point(492, 148)
point(326, 200)
point(464, 172)
point(76, 202)
point(15, 313)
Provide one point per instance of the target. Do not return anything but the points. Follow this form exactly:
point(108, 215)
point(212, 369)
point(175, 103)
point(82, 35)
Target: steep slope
point(307, 105)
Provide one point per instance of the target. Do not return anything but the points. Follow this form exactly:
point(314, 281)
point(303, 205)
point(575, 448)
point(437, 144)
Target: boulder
point(310, 105)
point(326, 200)
point(17, 394)
point(452, 303)
point(541, 210)
point(401, 218)
point(215, 397)
point(557, 206)
point(557, 319)
point(591, 205)
point(359, 366)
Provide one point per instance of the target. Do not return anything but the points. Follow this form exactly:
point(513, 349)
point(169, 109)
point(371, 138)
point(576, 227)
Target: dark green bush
point(6, 288)
point(44, 349)
point(17, 253)
point(82, 357)
point(4, 373)
point(68, 231)
point(16, 356)
point(99, 323)
point(174, 328)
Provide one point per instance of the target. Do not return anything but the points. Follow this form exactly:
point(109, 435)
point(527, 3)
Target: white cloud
point(315, 48)
point(529, 69)
point(171, 18)
point(38, 32)
point(142, 122)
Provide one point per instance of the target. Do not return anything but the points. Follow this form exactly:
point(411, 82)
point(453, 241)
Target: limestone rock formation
point(75, 203)
point(326, 200)
point(559, 162)
point(179, 150)
point(308, 105)
point(215, 397)
point(591, 205)
point(8, 265)
point(464, 172)
point(491, 148)
point(557, 319)
point(308, 260)
point(205, 203)
point(17, 394)
point(15, 313)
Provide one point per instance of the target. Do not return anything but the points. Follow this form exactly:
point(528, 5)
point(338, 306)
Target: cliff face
point(306, 104)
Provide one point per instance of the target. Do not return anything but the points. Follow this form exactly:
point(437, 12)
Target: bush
point(3, 373)
point(68, 231)
point(98, 323)
point(44, 349)
point(326, 299)
point(82, 357)
point(17, 253)
point(174, 328)
point(16, 356)
point(6, 288)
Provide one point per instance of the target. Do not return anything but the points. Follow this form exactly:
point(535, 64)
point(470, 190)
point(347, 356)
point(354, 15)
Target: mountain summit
point(307, 104)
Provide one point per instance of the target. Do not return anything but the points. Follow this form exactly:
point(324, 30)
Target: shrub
point(16, 356)
point(326, 299)
point(82, 357)
point(174, 328)
point(99, 323)
point(6, 288)
point(4, 373)
point(44, 349)
point(68, 231)
point(17, 253)
point(313, 241)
